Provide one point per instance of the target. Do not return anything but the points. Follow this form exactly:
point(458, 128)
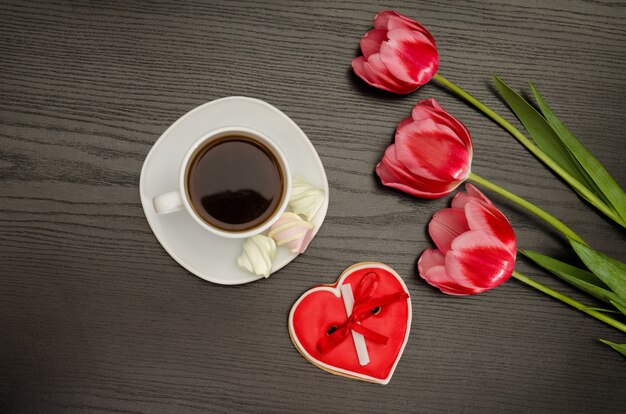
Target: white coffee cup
point(179, 199)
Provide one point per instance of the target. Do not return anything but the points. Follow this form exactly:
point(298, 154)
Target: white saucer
point(205, 255)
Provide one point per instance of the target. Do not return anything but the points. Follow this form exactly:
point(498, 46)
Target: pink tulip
point(432, 153)
point(399, 55)
point(476, 246)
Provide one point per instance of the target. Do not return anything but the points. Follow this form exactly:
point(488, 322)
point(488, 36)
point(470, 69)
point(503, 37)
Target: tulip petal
point(437, 277)
point(432, 151)
point(483, 215)
point(401, 87)
point(393, 174)
point(382, 18)
point(431, 267)
point(475, 192)
point(410, 56)
point(389, 180)
point(430, 109)
point(394, 179)
point(366, 73)
point(428, 115)
point(403, 22)
point(445, 226)
point(389, 19)
point(370, 42)
point(479, 260)
point(460, 199)
point(430, 258)
point(404, 122)
point(491, 221)
point(430, 103)
point(376, 74)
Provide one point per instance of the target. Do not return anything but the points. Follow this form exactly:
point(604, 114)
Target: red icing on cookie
point(322, 307)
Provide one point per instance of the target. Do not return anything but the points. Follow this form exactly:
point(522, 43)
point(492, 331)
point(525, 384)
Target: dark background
point(95, 316)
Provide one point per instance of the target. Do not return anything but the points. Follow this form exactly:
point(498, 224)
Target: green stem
point(573, 303)
point(547, 217)
point(525, 141)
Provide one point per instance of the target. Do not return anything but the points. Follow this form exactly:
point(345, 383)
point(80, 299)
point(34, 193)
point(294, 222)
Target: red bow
point(364, 308)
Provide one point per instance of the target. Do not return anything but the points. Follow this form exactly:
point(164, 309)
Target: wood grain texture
point(96, 317)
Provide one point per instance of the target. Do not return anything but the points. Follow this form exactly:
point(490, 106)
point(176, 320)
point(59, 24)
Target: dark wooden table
point(96, 317)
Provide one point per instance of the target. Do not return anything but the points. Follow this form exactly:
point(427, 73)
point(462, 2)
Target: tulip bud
point(476, 246)
point(432, 153)
point(399, 55)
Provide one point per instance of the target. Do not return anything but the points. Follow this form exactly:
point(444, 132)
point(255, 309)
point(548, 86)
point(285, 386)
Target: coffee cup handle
point(168, 202)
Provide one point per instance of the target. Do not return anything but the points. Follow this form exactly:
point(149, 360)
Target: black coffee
point(235, 183)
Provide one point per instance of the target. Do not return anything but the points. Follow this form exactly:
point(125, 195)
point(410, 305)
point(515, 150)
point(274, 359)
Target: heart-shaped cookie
point(323, 323)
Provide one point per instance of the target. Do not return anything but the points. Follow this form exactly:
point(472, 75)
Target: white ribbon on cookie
point(357, 338)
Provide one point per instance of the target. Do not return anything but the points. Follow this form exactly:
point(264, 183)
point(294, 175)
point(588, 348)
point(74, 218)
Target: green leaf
point(604, 184)
point(599, 309)
point(580, 278)
point(611, 271)
point(541, 131)
point(619, 306)
point(621, 348)
point(551, 264)
point(548, 147)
